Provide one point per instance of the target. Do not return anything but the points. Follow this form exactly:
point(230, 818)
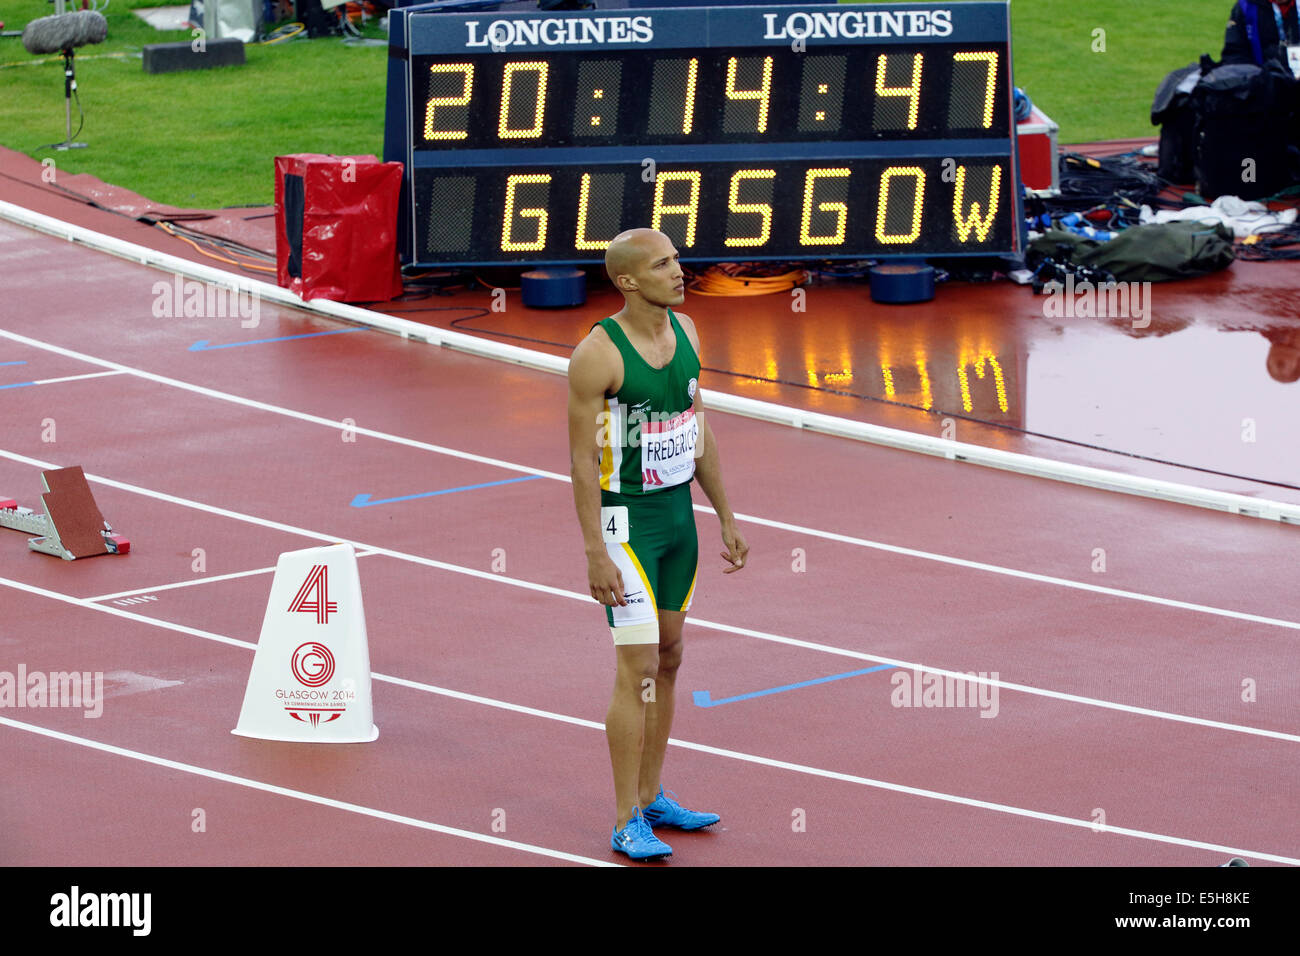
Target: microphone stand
point(69, 87)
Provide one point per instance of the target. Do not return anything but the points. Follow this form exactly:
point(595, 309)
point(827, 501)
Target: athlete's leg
point(625, 723)
point(659, 710)
point(674, 590)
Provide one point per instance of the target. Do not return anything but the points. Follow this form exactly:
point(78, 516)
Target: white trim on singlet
point(614, 435)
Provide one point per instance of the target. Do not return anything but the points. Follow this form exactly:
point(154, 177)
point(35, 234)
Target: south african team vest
point(649, 432)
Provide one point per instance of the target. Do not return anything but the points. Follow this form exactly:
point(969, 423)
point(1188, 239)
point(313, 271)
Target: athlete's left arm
point(708, 469)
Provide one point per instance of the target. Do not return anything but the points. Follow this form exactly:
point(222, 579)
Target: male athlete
point(637, 436)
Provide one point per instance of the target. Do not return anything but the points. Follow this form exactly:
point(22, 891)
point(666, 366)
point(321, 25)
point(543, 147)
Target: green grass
point(209, 138)
point(202, 138)
point(1108, 95)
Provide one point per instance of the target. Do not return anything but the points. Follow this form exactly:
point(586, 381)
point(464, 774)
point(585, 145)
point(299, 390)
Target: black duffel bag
point(1244, 130)
point(1172, 111)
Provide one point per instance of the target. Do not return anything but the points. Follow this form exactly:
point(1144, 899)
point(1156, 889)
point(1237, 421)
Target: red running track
point(1119, 692)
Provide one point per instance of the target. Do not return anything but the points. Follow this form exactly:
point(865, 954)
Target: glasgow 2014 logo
point(313, 664)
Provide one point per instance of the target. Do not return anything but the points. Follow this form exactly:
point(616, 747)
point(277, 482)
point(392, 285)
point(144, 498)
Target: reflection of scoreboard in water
point(976, 378)
point(971, 363)
point(741, 132)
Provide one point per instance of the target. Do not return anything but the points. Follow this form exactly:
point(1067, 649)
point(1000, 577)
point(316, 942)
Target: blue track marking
point(702, 698)
point(15, 384)
point(202, 344)
point(363, 501)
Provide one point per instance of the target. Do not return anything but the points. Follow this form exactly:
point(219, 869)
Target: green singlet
point(647, 462)
point(651, 431)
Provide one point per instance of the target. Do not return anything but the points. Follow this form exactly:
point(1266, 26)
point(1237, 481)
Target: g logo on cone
point(313, 664)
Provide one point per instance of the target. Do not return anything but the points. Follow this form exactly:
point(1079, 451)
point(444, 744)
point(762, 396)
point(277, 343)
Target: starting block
point(71, 525)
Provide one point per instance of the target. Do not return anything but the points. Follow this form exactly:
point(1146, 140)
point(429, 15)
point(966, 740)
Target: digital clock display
point(707, 96)
point(741, 132)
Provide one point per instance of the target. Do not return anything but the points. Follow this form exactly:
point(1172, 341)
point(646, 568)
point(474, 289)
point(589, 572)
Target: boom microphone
point(64, 31)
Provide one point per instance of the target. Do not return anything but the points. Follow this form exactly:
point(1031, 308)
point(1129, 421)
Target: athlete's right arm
point(591, 375)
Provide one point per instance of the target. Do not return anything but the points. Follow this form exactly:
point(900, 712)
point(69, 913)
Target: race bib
point(1293, 59)
point(613, 524)
point(668, 450)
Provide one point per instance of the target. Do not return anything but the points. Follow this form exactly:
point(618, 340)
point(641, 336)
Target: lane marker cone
point(310, 681)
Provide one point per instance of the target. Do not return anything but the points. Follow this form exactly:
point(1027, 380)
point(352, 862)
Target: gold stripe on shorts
point(636, 563)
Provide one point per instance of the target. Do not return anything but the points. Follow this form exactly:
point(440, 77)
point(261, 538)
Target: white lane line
point(719, 751)
point(278, 409)
point(987, 805)
point(302, 795)
point(75, 378)
point(127, 615)
point(1091, 477)
point(781, 525)
point(1016, 573)
point(211, 579)
point(181, 584)
point(500, 578)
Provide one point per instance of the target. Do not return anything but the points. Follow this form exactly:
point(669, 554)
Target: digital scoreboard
point(744, 133)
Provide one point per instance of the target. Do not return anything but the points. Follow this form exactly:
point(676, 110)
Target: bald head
point(1284, 362)
point(630, 251)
